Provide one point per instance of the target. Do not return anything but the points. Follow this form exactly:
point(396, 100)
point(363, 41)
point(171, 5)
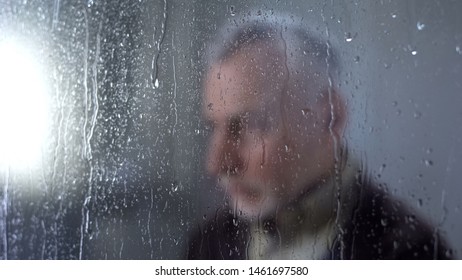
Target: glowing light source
point(23, 107)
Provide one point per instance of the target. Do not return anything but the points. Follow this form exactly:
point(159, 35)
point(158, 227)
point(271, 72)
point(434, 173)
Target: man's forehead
point(225, 93)
point(229, 91)
point(244, 82)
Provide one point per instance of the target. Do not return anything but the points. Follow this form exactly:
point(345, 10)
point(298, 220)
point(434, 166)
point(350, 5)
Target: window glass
point(219, 129)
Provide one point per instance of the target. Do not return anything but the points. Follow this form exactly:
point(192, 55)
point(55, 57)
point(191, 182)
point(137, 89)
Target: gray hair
point(304, 51)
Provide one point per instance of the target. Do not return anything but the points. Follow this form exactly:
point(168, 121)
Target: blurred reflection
point(276, 147)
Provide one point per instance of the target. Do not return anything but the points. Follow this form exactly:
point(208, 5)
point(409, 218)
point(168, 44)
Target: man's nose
point(223, 155)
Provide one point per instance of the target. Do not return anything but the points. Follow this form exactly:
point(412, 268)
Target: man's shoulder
point(381, 226)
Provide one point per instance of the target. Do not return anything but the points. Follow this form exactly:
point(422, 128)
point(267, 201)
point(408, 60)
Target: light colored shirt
point(306, 228)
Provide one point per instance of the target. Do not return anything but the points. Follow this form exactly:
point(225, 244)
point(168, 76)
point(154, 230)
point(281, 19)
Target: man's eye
point(235, 127)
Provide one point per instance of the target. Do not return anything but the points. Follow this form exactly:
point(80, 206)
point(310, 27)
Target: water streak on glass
point(158, 43)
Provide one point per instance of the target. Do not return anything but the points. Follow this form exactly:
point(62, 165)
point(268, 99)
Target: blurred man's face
point(270, 139)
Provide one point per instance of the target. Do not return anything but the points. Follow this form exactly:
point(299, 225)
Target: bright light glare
point(23, 107)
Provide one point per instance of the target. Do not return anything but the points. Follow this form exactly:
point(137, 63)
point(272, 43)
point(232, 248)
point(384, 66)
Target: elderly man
point(277, 150)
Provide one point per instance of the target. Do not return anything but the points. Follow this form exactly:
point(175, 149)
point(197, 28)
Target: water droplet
point(448, 253)
point(420, 201)
point(356, 59)
point(218, 75)
point(417, 115)
point(384, 222)
point(420, 26)
point(232, 11)
point(174, 187)
point(428, 162)
point(458, 50)
point(410, 218)
point(382, 168)
point(305, 111)
point(156, 83)
point(393, 15)
point(412, 49)
point(387, 65)
point(395, 103)
point(349, 37)
point(429, 151)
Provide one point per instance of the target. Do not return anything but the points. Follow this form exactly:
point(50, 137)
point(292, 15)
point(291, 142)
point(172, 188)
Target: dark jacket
point(379, 227)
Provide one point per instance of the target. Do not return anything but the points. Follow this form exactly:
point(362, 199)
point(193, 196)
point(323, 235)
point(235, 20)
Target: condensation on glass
point(104, 142)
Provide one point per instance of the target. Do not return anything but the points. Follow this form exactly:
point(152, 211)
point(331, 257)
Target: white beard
point(257, 201)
